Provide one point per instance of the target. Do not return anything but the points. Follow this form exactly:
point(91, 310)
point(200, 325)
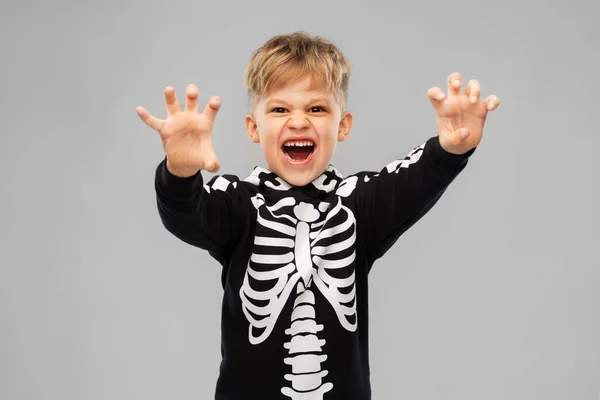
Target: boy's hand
point(460, 117)
point(186, 135)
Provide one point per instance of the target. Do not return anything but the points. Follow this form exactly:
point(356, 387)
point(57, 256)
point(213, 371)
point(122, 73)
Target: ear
point(345, 126)
point(252, 128)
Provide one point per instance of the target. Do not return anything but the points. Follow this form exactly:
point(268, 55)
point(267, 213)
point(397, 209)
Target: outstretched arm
point(391, 201)
point(206, 216)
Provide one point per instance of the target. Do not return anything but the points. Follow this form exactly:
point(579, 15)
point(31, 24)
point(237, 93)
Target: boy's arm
point(391, 201)
point(205, 217)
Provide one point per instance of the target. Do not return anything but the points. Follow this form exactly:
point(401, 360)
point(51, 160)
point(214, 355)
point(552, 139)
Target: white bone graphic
point(295, 252)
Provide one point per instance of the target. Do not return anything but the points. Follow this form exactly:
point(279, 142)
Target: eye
point(278, 110)
point(318, 108)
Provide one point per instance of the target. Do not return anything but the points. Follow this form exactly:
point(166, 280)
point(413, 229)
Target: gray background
point(495, 294)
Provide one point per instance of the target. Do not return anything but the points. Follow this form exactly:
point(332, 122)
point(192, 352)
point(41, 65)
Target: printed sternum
point(305, 347)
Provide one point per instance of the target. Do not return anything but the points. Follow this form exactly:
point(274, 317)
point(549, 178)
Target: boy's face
point(298, 129)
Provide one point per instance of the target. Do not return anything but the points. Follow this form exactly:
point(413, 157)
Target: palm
point(186, 135)
point(456, 112)
point(187, 139)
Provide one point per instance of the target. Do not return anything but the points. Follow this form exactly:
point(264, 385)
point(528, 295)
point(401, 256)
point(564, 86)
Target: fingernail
point(440, 96)
point(473, 99)
point(456, 82)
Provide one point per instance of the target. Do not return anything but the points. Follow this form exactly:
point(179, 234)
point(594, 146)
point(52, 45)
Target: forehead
point(302, 90)
point(305, 85)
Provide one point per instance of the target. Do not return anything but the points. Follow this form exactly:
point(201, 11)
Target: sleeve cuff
point(175, 185)
point(443, 157)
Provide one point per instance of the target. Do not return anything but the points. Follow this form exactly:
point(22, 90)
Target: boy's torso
point(295, 307)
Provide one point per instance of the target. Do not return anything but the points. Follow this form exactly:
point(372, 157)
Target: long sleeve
point(206, 216)
point(394, 199)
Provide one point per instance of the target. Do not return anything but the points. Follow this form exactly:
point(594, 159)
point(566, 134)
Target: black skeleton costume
point(295, 264)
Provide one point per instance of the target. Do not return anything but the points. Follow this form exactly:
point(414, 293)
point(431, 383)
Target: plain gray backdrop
point(494, 294)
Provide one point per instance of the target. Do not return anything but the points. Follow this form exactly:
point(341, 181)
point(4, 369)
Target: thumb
point(211, 164)
point(212, 108)
point(456, 138)
point(452, 141)
point(462, 134)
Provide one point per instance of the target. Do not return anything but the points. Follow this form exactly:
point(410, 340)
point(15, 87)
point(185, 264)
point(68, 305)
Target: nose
point(298, 121)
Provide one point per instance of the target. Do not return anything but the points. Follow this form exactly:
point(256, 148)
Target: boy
point(297, 240)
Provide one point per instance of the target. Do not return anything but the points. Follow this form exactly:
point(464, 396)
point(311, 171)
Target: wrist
point(181, 172)
point(446, 156)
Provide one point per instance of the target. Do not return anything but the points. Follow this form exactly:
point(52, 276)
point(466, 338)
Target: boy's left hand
point(461, 113)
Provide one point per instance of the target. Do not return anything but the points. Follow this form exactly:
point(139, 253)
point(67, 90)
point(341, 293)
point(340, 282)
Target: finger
point(454, 84)
point(473, 91)
point(436, 96)
point(171, 100)
point(492, 102)
point(150, 120)
point(212, 108)
point(191, 103)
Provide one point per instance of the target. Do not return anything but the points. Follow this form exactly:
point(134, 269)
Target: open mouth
point(298, 151)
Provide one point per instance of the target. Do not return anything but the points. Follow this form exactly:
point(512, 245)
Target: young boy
point(297, 240)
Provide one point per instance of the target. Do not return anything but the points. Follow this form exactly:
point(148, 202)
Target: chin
point(298, 179)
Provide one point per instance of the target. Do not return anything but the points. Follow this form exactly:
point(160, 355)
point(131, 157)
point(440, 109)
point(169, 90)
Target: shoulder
point(224, 182)
point(351, 182)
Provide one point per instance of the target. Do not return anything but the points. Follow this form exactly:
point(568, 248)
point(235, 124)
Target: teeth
point(300, 143)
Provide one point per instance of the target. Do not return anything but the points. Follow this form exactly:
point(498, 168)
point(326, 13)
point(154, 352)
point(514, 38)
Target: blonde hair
point(290, 58)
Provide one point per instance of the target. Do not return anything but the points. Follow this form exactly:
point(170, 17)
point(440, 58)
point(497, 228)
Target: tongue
point(299, 153)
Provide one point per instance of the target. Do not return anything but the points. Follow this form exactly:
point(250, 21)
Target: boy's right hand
point(186, 135)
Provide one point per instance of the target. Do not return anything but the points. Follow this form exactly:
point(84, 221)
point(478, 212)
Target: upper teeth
point(299, 143)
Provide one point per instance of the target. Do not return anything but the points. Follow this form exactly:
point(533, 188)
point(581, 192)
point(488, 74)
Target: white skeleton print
point(296, 264)
point(296, 250)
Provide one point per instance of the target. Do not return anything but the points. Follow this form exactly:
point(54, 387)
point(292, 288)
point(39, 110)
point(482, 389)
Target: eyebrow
point(313, 100)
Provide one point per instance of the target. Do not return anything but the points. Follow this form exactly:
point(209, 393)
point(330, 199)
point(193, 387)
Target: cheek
point(328, 133)
point(269, 141)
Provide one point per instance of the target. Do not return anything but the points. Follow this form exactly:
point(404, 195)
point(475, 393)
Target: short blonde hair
point(290, 58)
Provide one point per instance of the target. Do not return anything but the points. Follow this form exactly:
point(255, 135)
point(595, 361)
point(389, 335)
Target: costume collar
point(328, 181)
